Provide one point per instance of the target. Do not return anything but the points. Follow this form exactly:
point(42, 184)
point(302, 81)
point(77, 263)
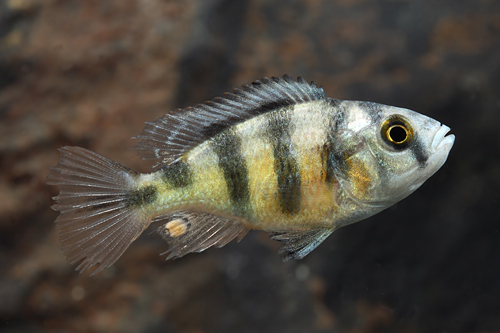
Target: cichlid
point(276, 155)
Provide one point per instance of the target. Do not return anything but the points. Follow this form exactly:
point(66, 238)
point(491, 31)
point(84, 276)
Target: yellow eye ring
point(397, 132)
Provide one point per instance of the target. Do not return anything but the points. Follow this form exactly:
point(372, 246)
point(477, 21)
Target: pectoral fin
point(299, 243)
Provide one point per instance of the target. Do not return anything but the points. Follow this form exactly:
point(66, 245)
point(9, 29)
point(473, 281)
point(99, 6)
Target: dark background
point(89, 73)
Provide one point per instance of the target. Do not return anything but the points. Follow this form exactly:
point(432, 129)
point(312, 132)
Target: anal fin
point(299, 243)
point(187, 232)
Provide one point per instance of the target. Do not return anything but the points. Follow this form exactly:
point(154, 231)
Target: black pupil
point(397, 134)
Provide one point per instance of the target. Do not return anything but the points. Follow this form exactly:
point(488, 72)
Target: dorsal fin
point(176, 132)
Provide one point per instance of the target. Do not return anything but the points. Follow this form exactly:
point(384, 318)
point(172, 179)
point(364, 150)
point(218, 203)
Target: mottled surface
point(89, 73)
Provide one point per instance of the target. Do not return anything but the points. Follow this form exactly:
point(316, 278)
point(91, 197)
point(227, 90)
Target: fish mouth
point(441, 139)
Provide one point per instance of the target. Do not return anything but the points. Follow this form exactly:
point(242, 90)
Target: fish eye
point(397, 132)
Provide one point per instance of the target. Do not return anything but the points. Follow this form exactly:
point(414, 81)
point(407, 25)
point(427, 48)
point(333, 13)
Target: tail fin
point(95, 224)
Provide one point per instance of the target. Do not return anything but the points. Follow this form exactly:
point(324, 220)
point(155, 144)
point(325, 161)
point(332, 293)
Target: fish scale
point(277, 155)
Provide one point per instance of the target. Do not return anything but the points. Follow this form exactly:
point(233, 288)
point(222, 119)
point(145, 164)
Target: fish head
point(398, 150)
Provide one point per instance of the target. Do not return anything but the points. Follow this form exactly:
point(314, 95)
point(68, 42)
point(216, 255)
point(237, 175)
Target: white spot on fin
point(176, 227)
point(205, 230)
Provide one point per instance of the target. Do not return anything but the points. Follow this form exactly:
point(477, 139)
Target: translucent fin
point(299, 243)
point(187, 232)
point(176, 132)
point(95, 224)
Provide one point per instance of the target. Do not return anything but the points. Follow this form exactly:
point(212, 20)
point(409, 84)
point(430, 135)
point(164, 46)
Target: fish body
point(277, 155)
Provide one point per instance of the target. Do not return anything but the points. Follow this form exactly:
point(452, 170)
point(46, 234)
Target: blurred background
point(90, 73)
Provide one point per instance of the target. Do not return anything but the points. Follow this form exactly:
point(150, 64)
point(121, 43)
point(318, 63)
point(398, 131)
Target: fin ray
point(202, 231)
point(95, 224)
point(176, 132)
point(299, 243)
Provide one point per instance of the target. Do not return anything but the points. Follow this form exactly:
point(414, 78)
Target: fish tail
point(96, 223)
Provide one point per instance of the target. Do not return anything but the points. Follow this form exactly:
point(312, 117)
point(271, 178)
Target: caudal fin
point(96, 224)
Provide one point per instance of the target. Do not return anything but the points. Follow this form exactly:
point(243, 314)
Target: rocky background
point(90, 73)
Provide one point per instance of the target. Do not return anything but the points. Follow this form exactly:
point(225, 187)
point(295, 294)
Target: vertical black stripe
point(331, 160)
point(285, 163)
point(142, 196)
point(227, 146)
point(330, 153)
point(177, 174)
point(418, 150)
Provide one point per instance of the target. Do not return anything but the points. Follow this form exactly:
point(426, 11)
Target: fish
point(276, 155)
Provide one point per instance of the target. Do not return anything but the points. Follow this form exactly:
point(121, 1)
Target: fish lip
point(441, 139)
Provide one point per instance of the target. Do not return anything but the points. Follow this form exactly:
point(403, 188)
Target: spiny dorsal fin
point(299, 243)
point(187, 232)
point(176, 132)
